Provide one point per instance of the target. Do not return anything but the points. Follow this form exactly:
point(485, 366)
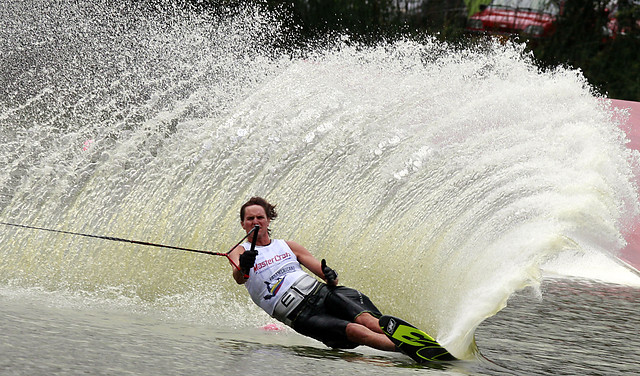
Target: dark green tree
point(587, 38)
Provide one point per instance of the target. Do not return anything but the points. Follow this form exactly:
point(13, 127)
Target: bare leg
point(370, 322)
point(366, 331)
point(362, 335)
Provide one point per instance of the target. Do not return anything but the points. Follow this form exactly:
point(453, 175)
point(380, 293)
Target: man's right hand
point(247, 260)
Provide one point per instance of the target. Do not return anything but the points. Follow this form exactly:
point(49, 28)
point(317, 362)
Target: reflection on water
point(577, 328)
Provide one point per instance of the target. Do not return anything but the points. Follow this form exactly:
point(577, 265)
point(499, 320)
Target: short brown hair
point(268, 208)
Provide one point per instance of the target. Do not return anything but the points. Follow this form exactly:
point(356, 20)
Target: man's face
point(255, 215)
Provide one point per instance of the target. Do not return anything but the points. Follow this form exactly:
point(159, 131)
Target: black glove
point(247, 259)
point(329, 274)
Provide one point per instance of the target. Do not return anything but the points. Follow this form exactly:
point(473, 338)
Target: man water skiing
point(338, 316)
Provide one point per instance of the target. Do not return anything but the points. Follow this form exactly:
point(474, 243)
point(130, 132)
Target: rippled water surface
point(577, 328)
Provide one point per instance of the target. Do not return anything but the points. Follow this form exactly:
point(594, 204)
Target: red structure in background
point(631, 253)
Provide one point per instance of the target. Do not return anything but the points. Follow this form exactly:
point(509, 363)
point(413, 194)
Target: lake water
point(579, 327)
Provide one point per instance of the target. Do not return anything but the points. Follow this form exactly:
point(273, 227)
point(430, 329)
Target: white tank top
point(275, 270)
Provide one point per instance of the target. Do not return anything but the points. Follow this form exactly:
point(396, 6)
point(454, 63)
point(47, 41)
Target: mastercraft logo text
point(276, 258)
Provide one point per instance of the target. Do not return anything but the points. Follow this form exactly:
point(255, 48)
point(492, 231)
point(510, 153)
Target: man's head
point(270, 210)
point(257, 211)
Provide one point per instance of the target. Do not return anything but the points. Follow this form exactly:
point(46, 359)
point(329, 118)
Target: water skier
point(338, 316)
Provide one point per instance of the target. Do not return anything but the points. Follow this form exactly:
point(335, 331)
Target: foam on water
point(438, 180)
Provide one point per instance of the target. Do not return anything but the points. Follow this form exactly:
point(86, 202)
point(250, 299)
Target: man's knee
point(357, 333)
point(362, 335)
point(369, 321)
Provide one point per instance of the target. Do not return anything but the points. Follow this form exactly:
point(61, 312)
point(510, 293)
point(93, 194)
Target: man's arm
point(234, 256)
point(309, 261)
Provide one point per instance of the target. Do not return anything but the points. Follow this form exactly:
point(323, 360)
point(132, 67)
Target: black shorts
point(325, 314)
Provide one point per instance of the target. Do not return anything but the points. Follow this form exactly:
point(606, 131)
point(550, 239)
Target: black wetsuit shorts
point(325, 313)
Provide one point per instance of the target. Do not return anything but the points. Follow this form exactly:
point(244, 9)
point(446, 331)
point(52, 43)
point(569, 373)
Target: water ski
point(412, 341)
